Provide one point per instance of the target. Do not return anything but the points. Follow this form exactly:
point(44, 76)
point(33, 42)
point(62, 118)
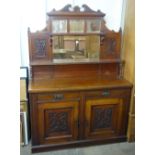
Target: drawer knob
point(106, 93)
point(58, 97)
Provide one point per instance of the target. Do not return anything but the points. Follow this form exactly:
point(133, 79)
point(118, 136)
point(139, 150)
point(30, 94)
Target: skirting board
point(82, 143)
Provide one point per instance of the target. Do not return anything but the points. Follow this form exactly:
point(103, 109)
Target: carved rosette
point(58, 122)
point(102, 118)
point(40, 46)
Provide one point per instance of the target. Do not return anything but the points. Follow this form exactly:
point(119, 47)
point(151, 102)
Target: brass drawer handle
point(58, 97)
point(106, 93)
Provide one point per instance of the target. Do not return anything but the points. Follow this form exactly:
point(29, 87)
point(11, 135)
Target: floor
point(124, 148)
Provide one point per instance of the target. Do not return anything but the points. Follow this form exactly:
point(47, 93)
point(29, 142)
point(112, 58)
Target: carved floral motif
point(58, 122)
point(40, 46)
point(102, 118)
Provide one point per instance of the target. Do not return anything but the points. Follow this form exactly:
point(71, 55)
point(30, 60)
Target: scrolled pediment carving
point(66, 8)
point(84, 9)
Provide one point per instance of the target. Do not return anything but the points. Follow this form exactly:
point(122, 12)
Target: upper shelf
point(77, 61)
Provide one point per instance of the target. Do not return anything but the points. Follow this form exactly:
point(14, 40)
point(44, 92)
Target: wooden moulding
point(65, 62)
point(82, 143)
point(76, 11)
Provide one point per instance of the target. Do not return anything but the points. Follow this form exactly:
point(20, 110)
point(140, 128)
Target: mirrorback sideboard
point(78, 94)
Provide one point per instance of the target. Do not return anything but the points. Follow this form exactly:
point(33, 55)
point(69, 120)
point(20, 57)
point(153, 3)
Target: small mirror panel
point(59, 26)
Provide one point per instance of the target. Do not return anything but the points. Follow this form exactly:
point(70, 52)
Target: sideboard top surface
point(76, 84)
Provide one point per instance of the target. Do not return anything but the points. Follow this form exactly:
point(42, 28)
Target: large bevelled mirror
point(76, 47)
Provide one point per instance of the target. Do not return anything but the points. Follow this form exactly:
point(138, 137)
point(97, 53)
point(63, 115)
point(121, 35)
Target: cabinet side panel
point(34, 117)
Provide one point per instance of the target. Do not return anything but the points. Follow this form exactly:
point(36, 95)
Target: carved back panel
point(110, 46)
point(39, 46)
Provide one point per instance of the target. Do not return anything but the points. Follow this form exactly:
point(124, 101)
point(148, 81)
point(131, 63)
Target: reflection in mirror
point(93, 25)
point(76, 26)
point(59, 26)
point(76, 47)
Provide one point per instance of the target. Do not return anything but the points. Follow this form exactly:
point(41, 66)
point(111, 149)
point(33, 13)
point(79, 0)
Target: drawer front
point(57, 96)
point(109, 93)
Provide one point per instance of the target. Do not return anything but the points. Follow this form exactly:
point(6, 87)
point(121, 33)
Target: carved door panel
point(103, 117)
point(58, 121)
point(39, 44)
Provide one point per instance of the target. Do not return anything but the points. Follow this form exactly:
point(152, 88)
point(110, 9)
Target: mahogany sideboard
point(78, 95)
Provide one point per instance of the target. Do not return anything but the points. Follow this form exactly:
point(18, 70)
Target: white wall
point(112, 9)
point(123, 14)
point(33, 15)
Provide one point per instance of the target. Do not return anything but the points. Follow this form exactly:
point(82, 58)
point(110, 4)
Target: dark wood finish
point(77, 102)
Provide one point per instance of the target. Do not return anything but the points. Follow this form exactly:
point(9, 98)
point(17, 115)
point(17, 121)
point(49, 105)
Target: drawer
point(57, 96)
point(109, 93)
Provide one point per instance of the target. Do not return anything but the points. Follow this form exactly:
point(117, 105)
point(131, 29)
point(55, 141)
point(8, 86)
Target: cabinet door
point(58, 121)
point(103, 117)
